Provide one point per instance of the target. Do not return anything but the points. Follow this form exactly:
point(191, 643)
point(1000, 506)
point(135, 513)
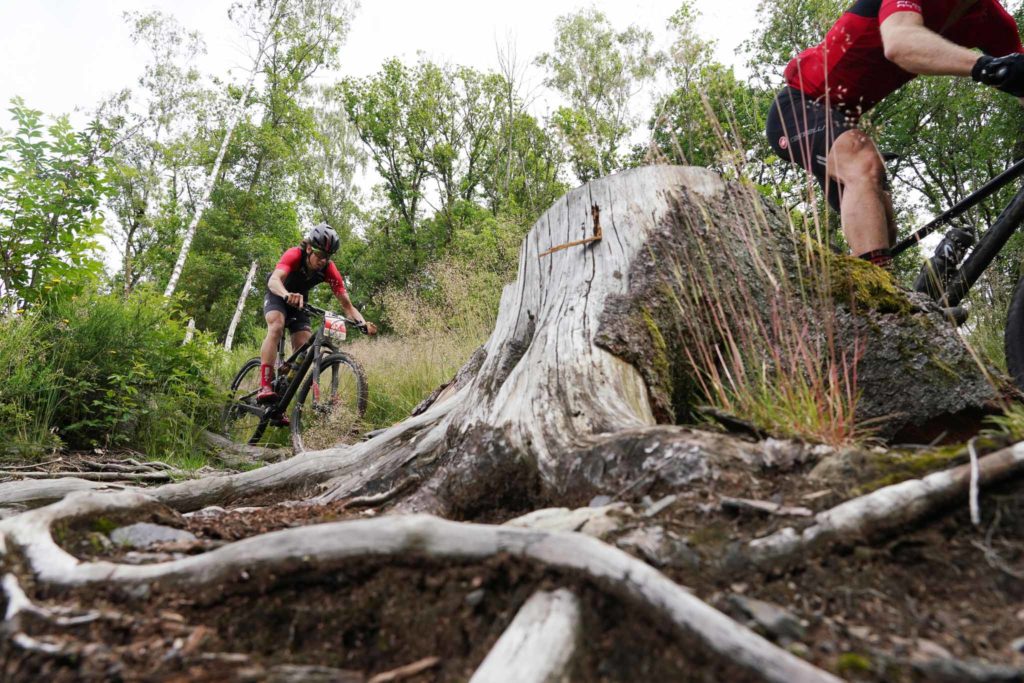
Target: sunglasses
point(320, 253)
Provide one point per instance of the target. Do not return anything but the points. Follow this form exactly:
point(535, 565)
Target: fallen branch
point(887, 509)
point(539, 644)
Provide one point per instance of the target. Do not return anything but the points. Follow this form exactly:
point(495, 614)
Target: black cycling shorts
point(295, 319)
point(802, 130)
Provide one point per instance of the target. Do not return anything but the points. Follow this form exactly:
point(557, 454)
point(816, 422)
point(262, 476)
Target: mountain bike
point(328, 388)
point(961, 258)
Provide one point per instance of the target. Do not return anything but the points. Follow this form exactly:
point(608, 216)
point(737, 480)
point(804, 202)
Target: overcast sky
point(64, 54)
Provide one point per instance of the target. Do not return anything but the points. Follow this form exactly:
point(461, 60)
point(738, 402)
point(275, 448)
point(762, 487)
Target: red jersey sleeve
point(334, 279)
point(890, 7)
point(1003, 37)
point(290, 260)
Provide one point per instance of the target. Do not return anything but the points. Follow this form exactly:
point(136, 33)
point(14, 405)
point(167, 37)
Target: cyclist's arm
point(919, 50)
point(276, 286)
point(352, 312)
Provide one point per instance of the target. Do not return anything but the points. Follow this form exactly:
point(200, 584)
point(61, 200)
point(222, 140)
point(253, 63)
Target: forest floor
point(906, 609)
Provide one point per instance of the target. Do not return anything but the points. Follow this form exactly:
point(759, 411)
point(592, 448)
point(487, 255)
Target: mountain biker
point(300, 269)
point(874, 48)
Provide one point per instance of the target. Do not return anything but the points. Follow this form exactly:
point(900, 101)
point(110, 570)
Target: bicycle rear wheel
point(1014, 337)
point(329, 410)
point(238, 422)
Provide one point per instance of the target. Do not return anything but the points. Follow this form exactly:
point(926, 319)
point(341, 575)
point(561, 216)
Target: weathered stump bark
point(587, 369)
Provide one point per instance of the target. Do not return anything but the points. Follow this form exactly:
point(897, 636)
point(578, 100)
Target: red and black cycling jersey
point(300, 278)
point(850, 69)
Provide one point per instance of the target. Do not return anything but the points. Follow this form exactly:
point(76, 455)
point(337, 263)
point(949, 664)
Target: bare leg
point(275, 328)
point(865, 208)
point(299, 338)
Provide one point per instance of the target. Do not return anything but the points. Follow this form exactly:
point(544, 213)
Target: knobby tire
point(343, 399)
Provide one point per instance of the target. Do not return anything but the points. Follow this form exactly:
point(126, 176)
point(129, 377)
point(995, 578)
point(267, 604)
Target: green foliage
point(102, 370)
point(51, 186)
point(598, 70)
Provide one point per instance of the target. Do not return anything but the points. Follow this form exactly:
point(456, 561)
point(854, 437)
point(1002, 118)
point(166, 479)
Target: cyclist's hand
point(294, 299)
point(1003, 73)
point(369, 327)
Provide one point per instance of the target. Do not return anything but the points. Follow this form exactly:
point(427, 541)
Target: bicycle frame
point(312, 360)
point(990, 243)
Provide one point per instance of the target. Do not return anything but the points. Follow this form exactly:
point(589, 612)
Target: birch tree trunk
point(240, 307)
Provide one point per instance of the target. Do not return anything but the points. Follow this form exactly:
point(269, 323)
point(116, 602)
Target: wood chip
point(407, 671)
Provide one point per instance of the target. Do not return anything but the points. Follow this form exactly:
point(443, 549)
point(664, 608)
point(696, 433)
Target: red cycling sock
point(266, 375)
point(880, 257)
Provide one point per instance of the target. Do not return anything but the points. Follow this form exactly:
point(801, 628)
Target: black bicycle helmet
point(324, 238)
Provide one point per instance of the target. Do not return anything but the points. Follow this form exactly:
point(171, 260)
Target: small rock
point(775, 620)
point(842, 467)
point(599, 501)
point(209, 511)
point(659, 547)
point(928, 649)
point(859, 632)
point(1018, 645)
point(475, 597)
point(144, 535)
point(799, 649)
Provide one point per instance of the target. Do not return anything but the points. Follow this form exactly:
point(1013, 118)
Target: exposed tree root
point(886, 510)
point(254, 562)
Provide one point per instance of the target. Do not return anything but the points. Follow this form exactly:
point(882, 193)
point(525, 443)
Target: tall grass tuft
point(436, 324)
point(769, 357)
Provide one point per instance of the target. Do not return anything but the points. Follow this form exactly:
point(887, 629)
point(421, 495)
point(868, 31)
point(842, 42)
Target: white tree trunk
point(240, 307)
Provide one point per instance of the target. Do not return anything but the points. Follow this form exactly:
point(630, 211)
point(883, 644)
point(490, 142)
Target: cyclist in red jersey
point(874, 48)
point(299, 270)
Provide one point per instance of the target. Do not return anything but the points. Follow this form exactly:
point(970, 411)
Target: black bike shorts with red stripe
point(802, 130)
point(295, 319)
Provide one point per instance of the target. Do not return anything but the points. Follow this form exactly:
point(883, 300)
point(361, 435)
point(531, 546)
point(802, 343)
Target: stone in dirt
point(777, 622)
point(660, 547)
point(145, 535)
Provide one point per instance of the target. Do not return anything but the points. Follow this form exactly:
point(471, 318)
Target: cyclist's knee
point(854, 158)
point(275, 324)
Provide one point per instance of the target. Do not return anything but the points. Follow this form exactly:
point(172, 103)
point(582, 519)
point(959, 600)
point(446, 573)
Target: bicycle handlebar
point(321, 312)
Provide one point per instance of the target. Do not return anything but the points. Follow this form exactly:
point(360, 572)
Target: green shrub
point(103, 370)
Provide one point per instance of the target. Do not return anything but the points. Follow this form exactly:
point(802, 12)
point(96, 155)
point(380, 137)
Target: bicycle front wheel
point(329, 407)
point(1014, 337)
point(242, 418)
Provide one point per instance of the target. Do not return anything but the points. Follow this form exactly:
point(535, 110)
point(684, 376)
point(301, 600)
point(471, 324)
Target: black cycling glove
point(1002, 73)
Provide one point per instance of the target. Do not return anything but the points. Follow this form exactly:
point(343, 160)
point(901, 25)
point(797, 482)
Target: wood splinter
point(595, 212)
